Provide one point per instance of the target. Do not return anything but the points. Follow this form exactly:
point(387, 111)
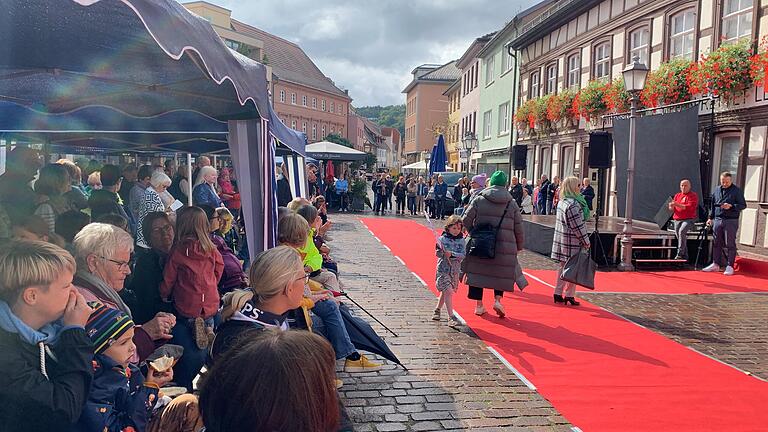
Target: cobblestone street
point(453, 383)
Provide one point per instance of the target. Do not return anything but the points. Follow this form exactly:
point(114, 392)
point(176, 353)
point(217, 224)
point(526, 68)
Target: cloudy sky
point(371, 46)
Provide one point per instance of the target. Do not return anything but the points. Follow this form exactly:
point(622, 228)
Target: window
point(333, 107)
point(487, 124)
point(574, 71)
point(322, 133)
point(293, 124)
point(603, 61)
point(506, 60)
point(304, 127)
point(230, 43)
point(304, 101)
point(323, 105)
point(681, 35)
point(282, 96)
point(552, 79)
point(332, 128)
point(726, 157)
point(569, 161)
point(529, 164)
point(737, 20)
point(314, 131)
point(489, 65)
point(638, 45)
point(503, 118)
point(314, 103)
point(546, 161)
point(293, 98)
point(535, 90)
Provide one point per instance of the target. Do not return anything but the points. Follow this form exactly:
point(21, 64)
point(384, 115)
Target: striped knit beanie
point(106, 325)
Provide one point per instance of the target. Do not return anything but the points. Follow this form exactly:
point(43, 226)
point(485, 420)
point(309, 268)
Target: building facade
point(452, 134)
point(393, 142)
point(426, 108)
point(471, 80)
point(573, 42)
point(303, 97)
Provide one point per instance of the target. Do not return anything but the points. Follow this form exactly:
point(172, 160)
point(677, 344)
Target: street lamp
point(468, 143)
point(634, 82)
point(425, 155)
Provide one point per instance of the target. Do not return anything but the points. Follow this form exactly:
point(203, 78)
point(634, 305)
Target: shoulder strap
point(503, 215)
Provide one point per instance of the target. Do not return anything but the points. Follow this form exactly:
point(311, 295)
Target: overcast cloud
point(370, 47)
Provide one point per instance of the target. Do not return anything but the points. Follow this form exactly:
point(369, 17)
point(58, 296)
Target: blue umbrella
point(439, 156)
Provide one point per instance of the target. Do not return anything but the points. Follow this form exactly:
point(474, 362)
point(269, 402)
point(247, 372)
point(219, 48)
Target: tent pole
point(215, 162)
point(189, 180)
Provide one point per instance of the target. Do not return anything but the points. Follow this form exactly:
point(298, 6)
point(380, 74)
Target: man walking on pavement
point(441, 191)
point(588, 192)
point(727, 204)
point(517, 191)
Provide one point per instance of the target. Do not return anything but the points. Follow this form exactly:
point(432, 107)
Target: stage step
point(654, 247)
point(662, 260)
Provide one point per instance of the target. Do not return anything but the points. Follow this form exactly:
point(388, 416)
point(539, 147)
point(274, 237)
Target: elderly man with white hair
point(151, 202)
point(103, 254)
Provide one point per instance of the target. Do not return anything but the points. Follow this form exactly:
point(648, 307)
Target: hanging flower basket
point(590, 102)
point(616, 97)
point(725, 72)
point(668, 84)
point(560, 108)
point(759, 64)
point(525, 116)
point(543, 124)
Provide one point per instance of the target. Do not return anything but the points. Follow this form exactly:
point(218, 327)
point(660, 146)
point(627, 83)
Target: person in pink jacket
point(190, 281)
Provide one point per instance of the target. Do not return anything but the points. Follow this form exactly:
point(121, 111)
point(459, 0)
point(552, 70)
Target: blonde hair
point(75, 175)
point(272, 271)
point(101, 239)
point(226, 218)
point(203, 172)
point(233, 301)
point(159, 178)
point(192, 223)
point(569, 186)
point(292, 230)
point(297, 203)
point(25, 264)
point(94, 178)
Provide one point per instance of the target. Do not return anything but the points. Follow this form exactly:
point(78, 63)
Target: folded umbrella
point(364, 338)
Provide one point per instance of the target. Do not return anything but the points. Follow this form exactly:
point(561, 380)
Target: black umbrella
point(364, 338)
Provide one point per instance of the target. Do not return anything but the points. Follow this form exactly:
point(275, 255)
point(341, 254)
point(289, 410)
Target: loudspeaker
point(520, 162)
point(600, 149)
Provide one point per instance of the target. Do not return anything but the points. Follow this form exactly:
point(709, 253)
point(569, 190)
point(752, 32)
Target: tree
point(389, 116)
point(244, 49)
point(338, 139)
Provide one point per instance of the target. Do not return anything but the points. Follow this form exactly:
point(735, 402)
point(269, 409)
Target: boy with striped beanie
point(120, 399)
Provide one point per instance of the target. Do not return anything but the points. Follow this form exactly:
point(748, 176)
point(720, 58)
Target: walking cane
point(369, 314)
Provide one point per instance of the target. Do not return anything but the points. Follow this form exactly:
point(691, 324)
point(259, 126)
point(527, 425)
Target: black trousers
point(476, 293)
point(400, 204)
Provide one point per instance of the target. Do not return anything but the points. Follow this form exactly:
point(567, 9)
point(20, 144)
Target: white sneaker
point(728, 271)
point(711, 268)
point(499, 309)
point(479, 310)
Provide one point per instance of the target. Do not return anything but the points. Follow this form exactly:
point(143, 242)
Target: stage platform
point(651, 242)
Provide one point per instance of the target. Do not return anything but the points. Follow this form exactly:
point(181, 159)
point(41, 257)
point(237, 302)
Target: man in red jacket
point(685, 206)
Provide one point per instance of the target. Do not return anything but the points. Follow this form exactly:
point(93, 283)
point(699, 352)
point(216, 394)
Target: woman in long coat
point(570, 235)
point(503, 271)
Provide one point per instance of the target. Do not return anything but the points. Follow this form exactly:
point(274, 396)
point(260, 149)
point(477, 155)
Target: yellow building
point(452, 139)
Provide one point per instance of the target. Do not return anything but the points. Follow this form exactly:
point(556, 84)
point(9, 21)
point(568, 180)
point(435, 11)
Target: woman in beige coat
point(503, 271)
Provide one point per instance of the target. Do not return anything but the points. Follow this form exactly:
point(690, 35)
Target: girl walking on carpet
point(450, 251)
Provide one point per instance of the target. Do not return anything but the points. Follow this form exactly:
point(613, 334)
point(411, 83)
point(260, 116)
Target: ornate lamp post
point(468, 142)
point(425, 156)
point(634, 82)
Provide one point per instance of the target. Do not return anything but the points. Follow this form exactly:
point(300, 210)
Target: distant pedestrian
point(441, 193)
point(450, 252)
point(541, 196)
point(516, 189)
point(410, 194)
point(727, 204)
point(400, 189)
point(421, 194)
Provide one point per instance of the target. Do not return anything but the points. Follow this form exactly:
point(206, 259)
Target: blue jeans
point(724, 232)
point(439, 207)
point(193, 359)
point(335, 331)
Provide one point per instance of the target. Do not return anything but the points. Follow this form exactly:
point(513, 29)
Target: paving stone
point(391, 427)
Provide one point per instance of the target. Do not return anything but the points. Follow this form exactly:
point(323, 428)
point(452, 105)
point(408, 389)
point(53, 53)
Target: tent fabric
point(325, 150)
point(439, 157)
point(297, 175)
point(420, 165)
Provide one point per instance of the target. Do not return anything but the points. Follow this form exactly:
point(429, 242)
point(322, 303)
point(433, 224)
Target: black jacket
point(589, 194)
point(400, 189)
point(104, 202)
point(284, 195)
point(30, 402)
point(542, 197)
point(517, 193)
point(143, 293)
point(733, 196)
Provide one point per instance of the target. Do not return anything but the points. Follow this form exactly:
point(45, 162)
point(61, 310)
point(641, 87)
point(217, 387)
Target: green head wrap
point(498, 179)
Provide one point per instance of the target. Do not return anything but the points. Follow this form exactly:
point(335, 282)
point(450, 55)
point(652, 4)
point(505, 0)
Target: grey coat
point(500, 272)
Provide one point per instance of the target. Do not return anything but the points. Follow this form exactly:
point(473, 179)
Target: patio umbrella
point(439, 157)
point(329, 169)
point(363, 336)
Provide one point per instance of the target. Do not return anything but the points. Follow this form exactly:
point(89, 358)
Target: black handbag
point(482, 238)
point(580, 269)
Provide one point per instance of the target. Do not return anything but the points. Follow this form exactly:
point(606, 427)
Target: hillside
point(389, 116)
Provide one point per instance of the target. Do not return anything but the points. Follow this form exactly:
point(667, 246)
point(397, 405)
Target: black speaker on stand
point(601, 158)
point(520, 161)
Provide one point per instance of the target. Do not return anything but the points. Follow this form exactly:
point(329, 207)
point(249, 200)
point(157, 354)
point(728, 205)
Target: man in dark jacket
point(588, 192)
point(542, 197)
point(106, 200)
point(16, 196)
point(441, 193)
point(41, 321)
point(727, 204)
point(517, 191)
point(551, 191)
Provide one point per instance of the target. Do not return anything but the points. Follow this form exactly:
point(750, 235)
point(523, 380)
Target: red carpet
point(600, 371)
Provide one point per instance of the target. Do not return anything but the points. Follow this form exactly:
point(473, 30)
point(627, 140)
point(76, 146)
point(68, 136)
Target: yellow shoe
point(362, 365)
point(339, 383)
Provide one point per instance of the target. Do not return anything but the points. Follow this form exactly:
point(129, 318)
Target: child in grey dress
point(450, 249)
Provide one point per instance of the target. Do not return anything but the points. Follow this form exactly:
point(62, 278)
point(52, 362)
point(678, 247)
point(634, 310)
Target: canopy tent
point(110, 64)
point(417, 166)
point(325, 150)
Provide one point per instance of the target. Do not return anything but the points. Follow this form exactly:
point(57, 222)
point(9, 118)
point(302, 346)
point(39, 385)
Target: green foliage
point(244, 49)
point(264, 59)
point(338, 139)
point(388, 116)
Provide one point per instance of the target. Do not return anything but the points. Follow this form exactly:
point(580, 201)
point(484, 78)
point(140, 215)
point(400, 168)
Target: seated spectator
point(35, 228)
point(296, 203)
point(50, 187)
point(143, 176)
point(103, 252)
point(233, 276)
point(130, 176)
point(165, 196)
point(106, 200)
point(75, 196)
point(205, 188)
point(151, 202)
point(145, 301)
point(322, 209)
point(255, 375)
point(69, 223)
point(16, 196)
point(115, 220)
point(291, 231)
point(46, 360)
point(180, 184)
point(313, 257)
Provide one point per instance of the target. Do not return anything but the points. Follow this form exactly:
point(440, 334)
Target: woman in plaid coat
point(570, 235)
